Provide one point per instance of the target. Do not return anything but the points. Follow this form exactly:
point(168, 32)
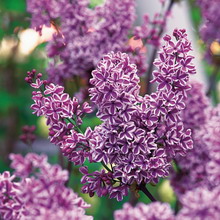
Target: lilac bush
point(171, 133)
point(37, 190)
point(139, 136)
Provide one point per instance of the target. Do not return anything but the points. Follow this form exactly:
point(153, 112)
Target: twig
point(69, 168)
point(150, 69)
point(212, 80)
point(144, 189)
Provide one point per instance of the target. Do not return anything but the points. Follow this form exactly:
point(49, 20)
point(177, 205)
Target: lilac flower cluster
point(153, 211)
point(40, 192)
point(210, 25)
point(192, 168)
point(197, 103)
point(199, 204)
point(63, 114)
point(28, 135)
point(212, 138)
point(140, 135)
point(200, 166)
point(84, 34)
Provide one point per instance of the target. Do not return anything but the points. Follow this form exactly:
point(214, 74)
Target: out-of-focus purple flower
point(28, 135)
point(153, 211)
point(209, 30)
point(200, 204)
point(84, 34)
point(40, 193)
point(139, 143)
point(200, 166)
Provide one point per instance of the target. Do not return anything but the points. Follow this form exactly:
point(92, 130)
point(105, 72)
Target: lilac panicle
point(209, 30)
point(153, 211)
point(84, 34)
point(64, 116)
point(38, 194)
point(140, 135)
point(200, 167)
point(200, 204)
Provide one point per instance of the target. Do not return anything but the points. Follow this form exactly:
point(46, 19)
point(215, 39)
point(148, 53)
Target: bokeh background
point(21, 50)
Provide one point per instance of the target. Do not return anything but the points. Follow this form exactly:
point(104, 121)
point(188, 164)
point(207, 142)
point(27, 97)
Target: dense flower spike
point(139, 136)
point(212, 138)
point(84, 34)
point(153, 211)
point(38, 195)
point(200, 166)
point(200, 204)
point(63, 113)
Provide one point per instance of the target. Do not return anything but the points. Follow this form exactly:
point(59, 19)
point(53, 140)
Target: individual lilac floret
point(200, 204)
point(40, 192)
point(153, 211)
point(139, 136)
point(64, 116)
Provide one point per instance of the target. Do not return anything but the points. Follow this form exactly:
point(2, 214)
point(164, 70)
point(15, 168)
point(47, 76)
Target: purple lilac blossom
point(210, 31)
point(28, 135)
point(200, 167)
point(64, 116)
point(200, 204)
point(139, 136)
point(84, 34)
point(212, 138)
point(153, 211)
point(39, 193)
point(192, 168)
